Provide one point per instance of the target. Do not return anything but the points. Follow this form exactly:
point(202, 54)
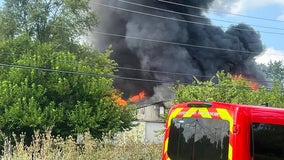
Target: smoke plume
point(183, 44)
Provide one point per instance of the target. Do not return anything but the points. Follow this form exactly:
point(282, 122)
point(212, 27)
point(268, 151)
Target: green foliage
point(60, 22)
point(60, 90)
point(231, 90)
point(47, 79)
point(126, 146)
point(275, 71)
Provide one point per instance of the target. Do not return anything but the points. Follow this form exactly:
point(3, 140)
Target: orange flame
point(121, 101)
point(140, 96)
point(117, 99)
point(253, 84)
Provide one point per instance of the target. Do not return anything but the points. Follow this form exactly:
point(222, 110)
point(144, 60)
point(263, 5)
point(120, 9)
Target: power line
point(84, 73)
point(126, 68)
point(116, 77)
point(217, 11)
point(192, 15)
point(61, 71)
point(118, 67)
point(181, 20)
point(164, 72)
point(142, 70)
point(173, 43)
point(181, 74)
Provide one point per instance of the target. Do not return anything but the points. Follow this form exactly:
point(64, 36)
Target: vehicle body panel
point(240, 117)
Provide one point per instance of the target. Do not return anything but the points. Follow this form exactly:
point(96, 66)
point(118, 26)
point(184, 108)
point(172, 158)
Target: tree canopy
point(60, 22)
point(225, 88)
point(275, 70)
point(48, 79)
point(44, 89)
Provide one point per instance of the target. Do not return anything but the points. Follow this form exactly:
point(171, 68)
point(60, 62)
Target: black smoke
point(240, 43)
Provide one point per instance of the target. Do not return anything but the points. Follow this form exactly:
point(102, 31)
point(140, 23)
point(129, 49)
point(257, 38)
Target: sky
point(269, 24)
point(228, 10)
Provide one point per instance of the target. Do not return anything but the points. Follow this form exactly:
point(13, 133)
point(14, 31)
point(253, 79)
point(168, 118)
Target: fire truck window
point(268, 141)
point(198, 139)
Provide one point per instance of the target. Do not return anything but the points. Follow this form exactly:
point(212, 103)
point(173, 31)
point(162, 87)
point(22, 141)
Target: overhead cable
point(84, 73)
point(127, 68)
point(192, 15)
point(182, 20)
point(217, 11)
point(116, 77)
point(173, 43)
point(118, 67)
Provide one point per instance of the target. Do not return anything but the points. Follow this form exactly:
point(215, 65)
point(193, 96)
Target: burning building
point(157, 42)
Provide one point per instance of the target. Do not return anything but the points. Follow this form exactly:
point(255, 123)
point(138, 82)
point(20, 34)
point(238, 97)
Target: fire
point(121, 101)
point(140, 96)
point(253, 84)
point(116, 96)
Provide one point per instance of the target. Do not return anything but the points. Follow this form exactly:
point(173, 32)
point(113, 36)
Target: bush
point(44, 146)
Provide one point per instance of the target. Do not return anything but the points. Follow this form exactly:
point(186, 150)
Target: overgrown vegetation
point(64, 91)
point(52, 84)
point(50, 80)
point(232, 89)
point(44, 146)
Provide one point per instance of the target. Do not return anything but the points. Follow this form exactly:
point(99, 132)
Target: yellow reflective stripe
point(204, 113)
point(173, 115)
point(190, 112)
point(166, 145)
point(230, 152)
point(225, 115)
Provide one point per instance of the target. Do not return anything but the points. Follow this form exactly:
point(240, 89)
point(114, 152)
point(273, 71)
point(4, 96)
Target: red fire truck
point(223, 131)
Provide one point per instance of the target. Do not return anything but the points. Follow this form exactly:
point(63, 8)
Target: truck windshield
point(198, 139)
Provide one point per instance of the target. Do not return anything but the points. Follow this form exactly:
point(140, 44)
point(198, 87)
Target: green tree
point(61, 22)
point(275, 70)
point(231, 90)
point(71, 94)
point(48, 79)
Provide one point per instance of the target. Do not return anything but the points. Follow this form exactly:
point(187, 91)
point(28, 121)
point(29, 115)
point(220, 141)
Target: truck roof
point(256, 113)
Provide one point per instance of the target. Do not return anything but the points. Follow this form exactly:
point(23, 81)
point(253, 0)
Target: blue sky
point(268, 9)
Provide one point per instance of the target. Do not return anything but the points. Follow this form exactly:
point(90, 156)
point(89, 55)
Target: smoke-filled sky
point(269, 23)
point(160, 43)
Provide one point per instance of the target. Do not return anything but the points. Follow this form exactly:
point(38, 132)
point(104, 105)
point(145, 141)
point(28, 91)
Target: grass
point(125, 146)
